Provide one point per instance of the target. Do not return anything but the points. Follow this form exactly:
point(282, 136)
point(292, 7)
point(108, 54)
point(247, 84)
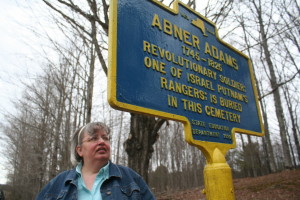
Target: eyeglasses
point(96, 138)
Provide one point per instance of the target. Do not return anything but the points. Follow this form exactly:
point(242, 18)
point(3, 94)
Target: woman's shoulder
point(64, 176)
point(55, 186)
point(123, 169)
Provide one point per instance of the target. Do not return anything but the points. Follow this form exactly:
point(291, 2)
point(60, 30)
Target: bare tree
point(264, 24)
point(49, 112)
point(268, 144)
point(61, 99)
point(96, 16)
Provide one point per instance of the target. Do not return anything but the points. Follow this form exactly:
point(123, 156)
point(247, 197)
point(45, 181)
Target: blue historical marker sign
point(171, 63)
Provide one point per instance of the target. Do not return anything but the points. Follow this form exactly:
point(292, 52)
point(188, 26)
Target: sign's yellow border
point(112, 99)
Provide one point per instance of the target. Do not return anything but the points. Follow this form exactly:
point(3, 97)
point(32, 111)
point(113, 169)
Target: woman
point(95, 176)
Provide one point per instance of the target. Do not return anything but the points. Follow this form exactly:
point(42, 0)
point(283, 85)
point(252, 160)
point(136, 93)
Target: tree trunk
point(244, 167)
point(90, 82)
point(139, 145)
point(293, 121)
point(119, 139)
point(276, 94)
point(270, 152)
point(251, 156)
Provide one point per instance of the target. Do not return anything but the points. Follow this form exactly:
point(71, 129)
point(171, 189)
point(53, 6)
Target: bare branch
point(280, 84)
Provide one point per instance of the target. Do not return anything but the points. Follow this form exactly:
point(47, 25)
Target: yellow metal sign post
point(171, 63)
point(217, 173)
point(218, 177)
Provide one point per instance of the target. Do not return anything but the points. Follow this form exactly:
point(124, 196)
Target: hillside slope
point(284, 185)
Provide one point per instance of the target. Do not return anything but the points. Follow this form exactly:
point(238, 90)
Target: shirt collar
point(104, 171)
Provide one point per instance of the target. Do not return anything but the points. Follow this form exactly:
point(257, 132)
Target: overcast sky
point(18, 57)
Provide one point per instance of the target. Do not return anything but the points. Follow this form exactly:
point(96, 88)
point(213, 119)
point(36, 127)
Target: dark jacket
point(123, 183)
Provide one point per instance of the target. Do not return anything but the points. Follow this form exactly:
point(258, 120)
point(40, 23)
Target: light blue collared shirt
point(86, 194)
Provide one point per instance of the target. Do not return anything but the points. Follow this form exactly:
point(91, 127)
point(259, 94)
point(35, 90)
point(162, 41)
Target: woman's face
point(95, 147)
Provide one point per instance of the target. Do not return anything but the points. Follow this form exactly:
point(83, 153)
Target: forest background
point(64, 87)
